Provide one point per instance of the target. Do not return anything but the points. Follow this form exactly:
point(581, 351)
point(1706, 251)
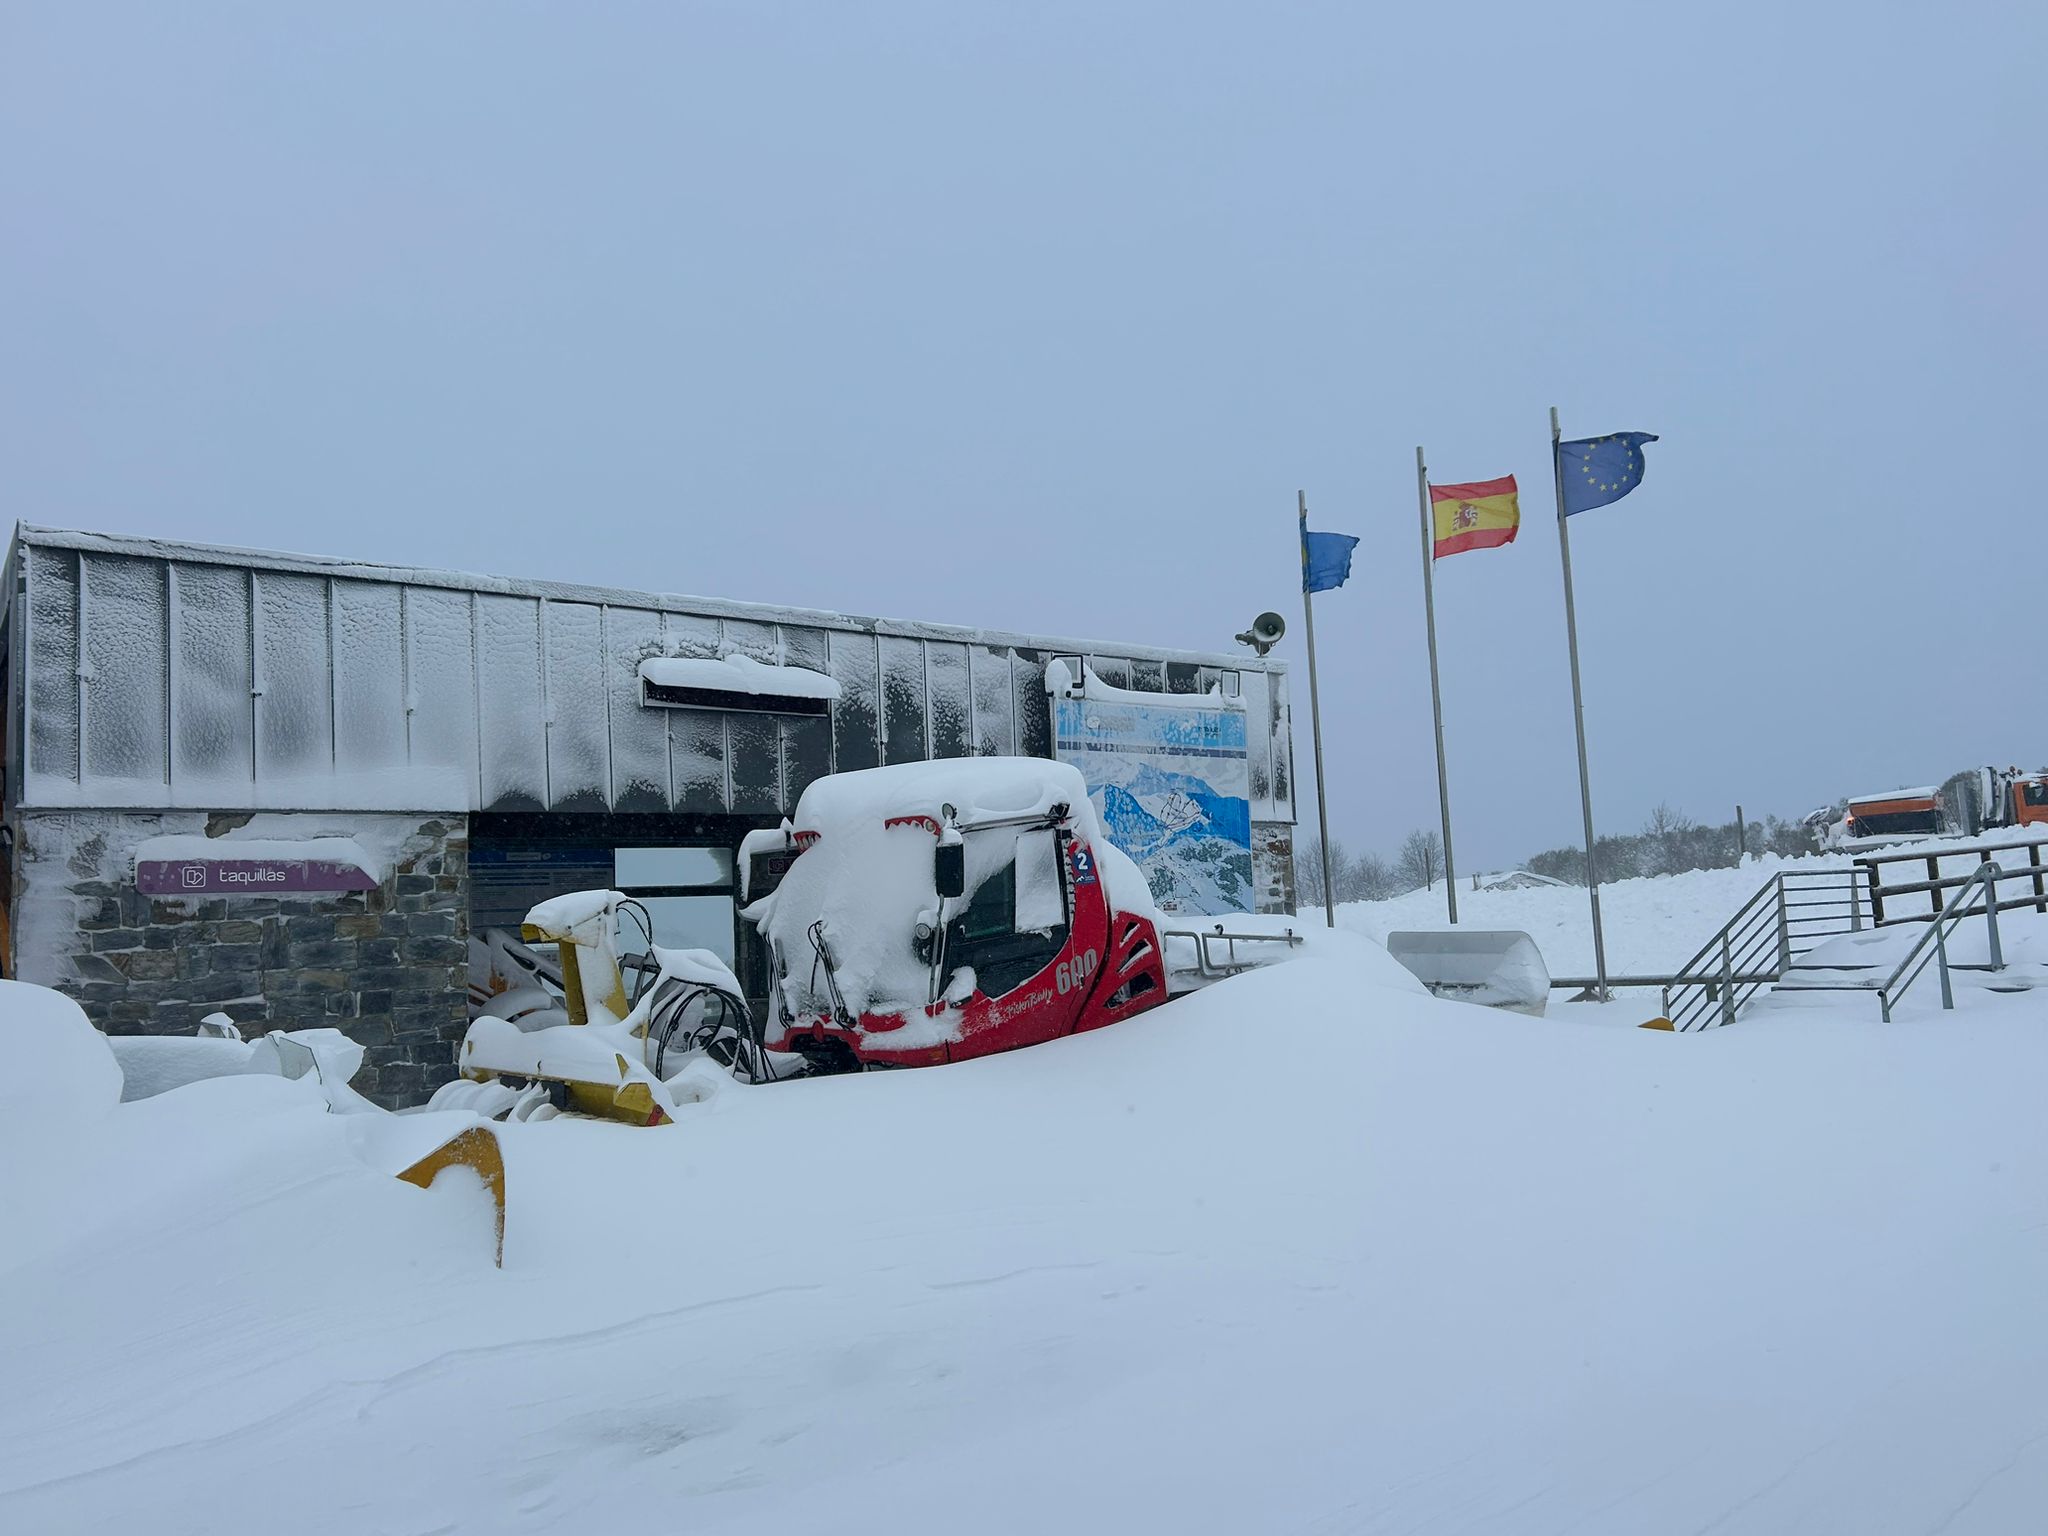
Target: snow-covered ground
point(1307, 1251)
point(1652, 925)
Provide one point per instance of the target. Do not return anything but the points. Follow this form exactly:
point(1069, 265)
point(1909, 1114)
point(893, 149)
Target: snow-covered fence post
point(1991, 873)
point(1727, 982)
point(1784, 929)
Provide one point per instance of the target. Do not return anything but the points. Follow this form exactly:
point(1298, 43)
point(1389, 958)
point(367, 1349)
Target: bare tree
point(1421, 859)
point(1308, 870)
point(1371, 878)
point(1670, 836)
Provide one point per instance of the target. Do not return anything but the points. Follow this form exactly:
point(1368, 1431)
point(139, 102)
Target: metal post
point(1571, 631)
point(1315, 715)
point(1948, 996)
point(1991, 916)
point(1784, 930)
point(1741, 838)
point(1436, 698)
point(1727, 982)
point(1855, 906)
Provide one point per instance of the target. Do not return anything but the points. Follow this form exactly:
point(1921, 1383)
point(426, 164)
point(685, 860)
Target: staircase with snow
point(1826, 931)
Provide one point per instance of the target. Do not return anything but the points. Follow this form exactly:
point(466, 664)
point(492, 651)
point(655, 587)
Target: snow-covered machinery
point(1896, 816)
point(610, 1048)
point(945, 910)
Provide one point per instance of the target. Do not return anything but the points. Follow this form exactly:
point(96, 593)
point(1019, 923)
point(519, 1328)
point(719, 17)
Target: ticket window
point(688, 893)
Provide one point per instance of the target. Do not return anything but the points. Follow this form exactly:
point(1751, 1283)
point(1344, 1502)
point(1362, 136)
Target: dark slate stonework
point(388, 967)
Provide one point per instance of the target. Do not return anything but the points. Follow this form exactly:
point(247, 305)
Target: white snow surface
point(1299, 1253)
point(58, 1068)
point(738, 674)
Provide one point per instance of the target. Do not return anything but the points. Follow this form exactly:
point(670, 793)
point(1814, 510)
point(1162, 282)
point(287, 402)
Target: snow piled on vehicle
point(866, 870)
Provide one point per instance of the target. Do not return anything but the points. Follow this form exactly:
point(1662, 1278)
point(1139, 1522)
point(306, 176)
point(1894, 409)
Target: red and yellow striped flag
point(1481, 515)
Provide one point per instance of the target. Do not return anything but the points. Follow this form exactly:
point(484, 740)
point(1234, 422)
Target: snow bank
point(738, 674)
point(1300, 1253)
point(54, 1066)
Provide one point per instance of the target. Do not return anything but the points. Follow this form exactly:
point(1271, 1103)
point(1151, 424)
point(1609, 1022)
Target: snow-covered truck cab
point(940, 911)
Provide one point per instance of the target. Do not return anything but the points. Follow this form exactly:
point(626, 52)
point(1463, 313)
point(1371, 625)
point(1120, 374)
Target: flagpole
point(1436, 698)
point(1315, 715)
point(1571, 631)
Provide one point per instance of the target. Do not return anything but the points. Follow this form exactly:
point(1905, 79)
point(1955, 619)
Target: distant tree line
point(1669, 843)
point(1417, 864)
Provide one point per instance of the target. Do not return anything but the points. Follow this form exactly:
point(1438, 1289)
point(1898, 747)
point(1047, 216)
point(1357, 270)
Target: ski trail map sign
point(1170, 779)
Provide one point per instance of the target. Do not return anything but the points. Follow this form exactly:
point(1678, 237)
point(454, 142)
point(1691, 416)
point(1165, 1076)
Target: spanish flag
point(1481, 515)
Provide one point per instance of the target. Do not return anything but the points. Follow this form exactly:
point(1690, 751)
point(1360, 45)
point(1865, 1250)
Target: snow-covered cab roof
point(978, 789)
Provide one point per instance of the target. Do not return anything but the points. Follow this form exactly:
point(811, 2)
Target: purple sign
point(246, 877)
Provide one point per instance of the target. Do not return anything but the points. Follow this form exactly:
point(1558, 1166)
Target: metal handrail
point(2035, 871)
point(1936, 936)
point(1756, 946)
point(1217, 969)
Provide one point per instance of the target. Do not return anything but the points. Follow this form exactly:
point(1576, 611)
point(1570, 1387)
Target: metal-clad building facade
point(156, 675)
point(490, 740)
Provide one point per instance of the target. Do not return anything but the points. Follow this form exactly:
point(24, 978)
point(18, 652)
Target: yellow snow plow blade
point(476, 1149)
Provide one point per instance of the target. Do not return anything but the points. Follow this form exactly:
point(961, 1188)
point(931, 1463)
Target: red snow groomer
point(932, 912)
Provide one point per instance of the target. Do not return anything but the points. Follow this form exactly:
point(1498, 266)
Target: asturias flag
point(1325, 559)
point(1597, 470)
point(1482, 515)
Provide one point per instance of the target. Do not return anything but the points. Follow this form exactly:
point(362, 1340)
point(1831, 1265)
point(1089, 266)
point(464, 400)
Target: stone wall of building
point(388, 966)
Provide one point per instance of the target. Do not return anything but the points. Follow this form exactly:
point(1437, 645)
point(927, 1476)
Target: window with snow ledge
point(734, 683)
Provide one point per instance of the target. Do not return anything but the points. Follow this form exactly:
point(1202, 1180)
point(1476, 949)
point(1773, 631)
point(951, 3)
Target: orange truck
point(1992, 799)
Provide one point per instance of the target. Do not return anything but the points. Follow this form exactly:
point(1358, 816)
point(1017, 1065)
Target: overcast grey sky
point(1038, 316)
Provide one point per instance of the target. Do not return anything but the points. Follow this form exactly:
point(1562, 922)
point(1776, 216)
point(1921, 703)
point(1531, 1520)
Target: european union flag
point(1597, 470)
point(1325, 560)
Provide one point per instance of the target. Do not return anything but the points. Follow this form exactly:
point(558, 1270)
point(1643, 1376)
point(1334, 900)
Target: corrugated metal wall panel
point(806, 741)
point(514, 733)
point(753, 740)
point(295, 709)
point(1034, 710)
point(369, 679)
point(639, 734)
point(1280, 718)
point(441, 697)
point(696, 741)
point(578, 743)
point(53, 664)
point(1258, 737)
point(948, 698)
point(903, 700)
point(213, 746)
point(127, 729)
point(857, 717)
point(995, 709)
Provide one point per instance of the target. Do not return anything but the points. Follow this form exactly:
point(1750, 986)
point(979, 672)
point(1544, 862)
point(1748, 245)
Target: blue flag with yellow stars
point(1597, 470)
point(1325, 559)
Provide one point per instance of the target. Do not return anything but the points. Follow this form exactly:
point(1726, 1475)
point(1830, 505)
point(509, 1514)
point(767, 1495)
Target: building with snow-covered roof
point(295, 788)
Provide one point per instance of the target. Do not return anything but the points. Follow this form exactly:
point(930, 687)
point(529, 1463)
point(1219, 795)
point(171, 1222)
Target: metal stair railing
point(1932, 945)
point(1792, 912)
